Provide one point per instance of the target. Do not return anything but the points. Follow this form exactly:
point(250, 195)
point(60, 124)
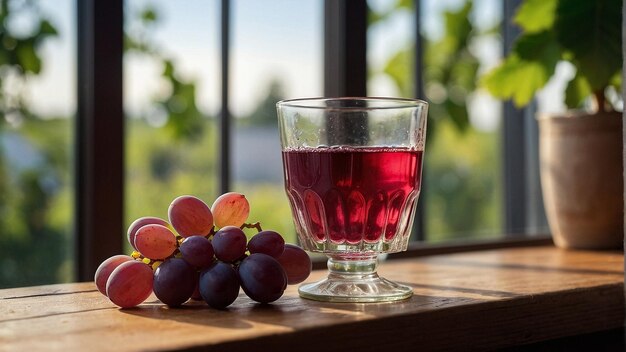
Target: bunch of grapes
point(202, 253)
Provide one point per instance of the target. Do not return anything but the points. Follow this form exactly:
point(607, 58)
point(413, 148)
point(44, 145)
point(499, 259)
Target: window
point(462, 197)
point(199, 82)
point(171, 102)
point(37, 103)
point(277, 54)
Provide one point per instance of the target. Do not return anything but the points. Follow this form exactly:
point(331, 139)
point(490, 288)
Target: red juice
point(349, 195)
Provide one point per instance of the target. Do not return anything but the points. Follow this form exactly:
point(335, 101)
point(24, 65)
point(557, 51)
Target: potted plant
point(581, 150)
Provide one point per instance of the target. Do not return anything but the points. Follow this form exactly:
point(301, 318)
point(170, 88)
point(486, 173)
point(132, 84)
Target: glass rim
point(394, 103)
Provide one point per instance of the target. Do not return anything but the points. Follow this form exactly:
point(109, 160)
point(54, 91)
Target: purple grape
point(197, 251)
point(296, 263)
point(219, 285)
point(267, 242)
point(262, 278)
point(174, 282)
point(229, 244)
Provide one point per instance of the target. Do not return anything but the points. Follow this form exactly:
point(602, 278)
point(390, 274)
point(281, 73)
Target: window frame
point(99, 135)
point(99, 170)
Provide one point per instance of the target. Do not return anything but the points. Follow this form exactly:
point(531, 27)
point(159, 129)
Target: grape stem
point(256, 225)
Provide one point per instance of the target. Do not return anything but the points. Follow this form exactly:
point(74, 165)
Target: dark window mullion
point(513, 138)
point(523, 202)
point(99, 144)
point(345, 39)
point(419, 226)
point(225, 118)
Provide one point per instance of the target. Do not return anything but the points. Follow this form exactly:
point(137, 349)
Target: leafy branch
point(19, 57)
point(450, 67)
point(585, 33)
point(185, 121)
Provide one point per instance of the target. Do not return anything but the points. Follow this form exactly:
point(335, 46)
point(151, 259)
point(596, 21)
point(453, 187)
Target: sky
point(277, 39)
point(270, 39)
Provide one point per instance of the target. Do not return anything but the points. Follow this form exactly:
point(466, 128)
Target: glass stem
point(357, 269)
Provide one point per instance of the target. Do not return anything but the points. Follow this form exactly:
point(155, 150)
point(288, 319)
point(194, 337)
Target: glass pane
point(462, 192)
point(37, 103)
point(171, 97)
point(277, 53)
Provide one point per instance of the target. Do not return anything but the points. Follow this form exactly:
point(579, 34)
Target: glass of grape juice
point(353, 170)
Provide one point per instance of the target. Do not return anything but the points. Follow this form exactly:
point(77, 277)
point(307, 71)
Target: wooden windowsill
point(479, 300)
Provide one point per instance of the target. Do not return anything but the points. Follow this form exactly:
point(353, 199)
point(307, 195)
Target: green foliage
point(577, 91)
point(396, 70)
point(400, 5)
point(525, 71)
point(586, 33)
point(591, 32)
point(450, 68)
point(33, 245)
point(185, 121)
point(19, 58)
point(462, 182)
point(265, 113)
point(536, 15)
point(462, 188)
point(34, 240)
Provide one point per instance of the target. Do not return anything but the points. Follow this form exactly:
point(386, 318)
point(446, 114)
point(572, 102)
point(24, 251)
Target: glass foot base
point(354, 281)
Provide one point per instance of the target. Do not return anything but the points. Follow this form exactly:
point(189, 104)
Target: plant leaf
point(374, 17)
point(149, 15)
point(457, 113)
point(577, 91)
point(458, 25)
point(616, 81)
point(536, 15)
point(527, 69)
point(591, 31)
point(27, 56)
point(46, 28)
point(516, 79)
point(396, 68)
point(540, 46)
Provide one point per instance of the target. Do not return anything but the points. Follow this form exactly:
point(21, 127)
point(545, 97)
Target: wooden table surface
point(477, 300)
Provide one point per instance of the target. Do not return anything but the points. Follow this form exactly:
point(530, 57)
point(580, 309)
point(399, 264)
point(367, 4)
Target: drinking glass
point(353, 169)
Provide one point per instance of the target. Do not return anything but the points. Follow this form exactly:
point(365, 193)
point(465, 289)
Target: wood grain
point(479, 300)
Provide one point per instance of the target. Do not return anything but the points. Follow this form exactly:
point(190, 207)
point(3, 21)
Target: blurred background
point(172, 99)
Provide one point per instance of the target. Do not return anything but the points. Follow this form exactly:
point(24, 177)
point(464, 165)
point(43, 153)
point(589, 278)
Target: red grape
point(229, 244)
point(197, 251)
point(262, 278)
point(155, 241)
point(174, 282)
point(106, 268)
point(130, 284)
point(230, 209)
point(190, 216)
point(296, 263)
point(141, 222)
point(267, 242)
point(219, 285)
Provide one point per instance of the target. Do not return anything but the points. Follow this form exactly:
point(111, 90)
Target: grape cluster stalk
point(202, 253)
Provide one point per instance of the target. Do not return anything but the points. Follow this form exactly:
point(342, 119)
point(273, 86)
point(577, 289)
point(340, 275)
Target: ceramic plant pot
point(582, 179)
